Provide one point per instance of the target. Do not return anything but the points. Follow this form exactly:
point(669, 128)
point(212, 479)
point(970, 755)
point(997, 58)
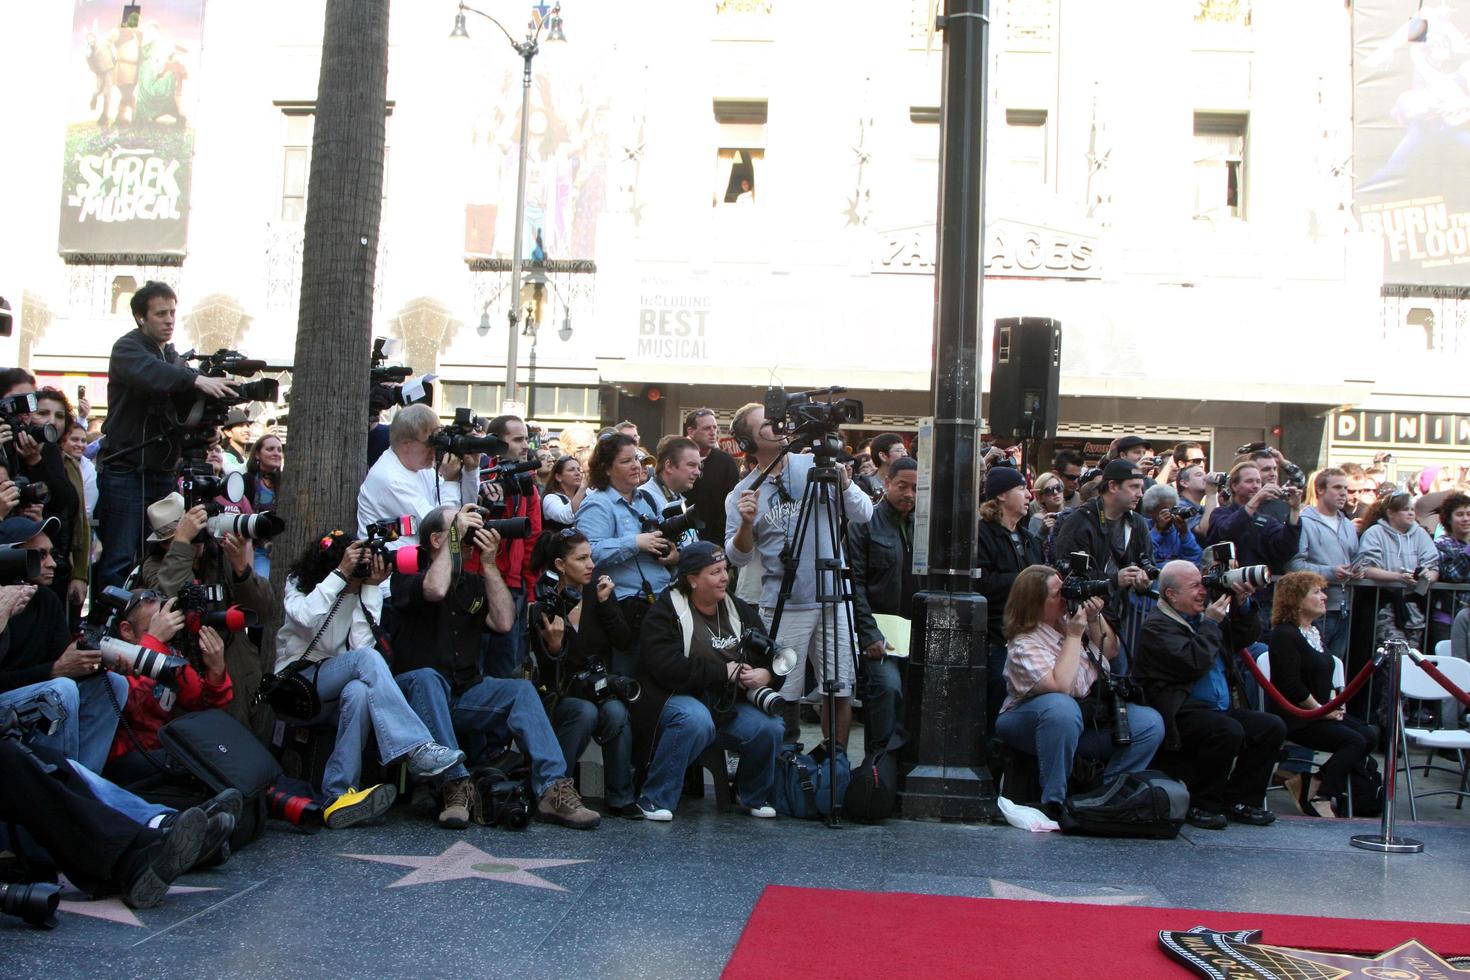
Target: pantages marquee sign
point(1013, 249)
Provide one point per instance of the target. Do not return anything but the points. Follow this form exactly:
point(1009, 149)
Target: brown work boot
point(456, 812)
point(561, 804)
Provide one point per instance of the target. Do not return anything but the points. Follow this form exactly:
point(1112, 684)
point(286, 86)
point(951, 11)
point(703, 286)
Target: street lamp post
point(527, 50)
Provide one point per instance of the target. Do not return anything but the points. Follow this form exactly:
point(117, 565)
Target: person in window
point(746, 194)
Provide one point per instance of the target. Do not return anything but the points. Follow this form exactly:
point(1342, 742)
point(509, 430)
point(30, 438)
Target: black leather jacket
point(1085, 529)
point(878, 555)
point(140, 374)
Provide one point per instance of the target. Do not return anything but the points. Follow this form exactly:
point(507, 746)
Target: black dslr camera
point(597, 685)
point(31, 491)
point(1119, 691)
point(1078, 583)
point(549, 602)
point(466, 435)
point(676, 520)
point(499, 801)
point(509, 528)
point(13, 407)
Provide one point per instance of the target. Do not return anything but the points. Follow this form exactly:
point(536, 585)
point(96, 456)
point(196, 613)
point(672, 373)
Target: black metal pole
point(945, 759)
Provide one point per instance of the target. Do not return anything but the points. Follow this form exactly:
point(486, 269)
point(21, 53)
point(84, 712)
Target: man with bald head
point(1186, 665)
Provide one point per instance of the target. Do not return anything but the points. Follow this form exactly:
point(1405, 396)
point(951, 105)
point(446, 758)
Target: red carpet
point(814, 932)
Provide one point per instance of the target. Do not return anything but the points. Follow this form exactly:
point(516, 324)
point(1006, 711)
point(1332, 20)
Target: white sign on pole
point(921, 504)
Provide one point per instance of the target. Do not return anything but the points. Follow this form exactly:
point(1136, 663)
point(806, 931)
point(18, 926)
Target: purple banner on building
point(1411, 137)
point(129, 144)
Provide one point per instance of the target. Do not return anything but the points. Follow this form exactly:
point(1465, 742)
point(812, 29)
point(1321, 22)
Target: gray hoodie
point(1383, 547)
point(1326, 543)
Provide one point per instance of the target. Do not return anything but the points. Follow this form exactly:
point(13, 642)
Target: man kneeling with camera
point(327, 639)
point(705, 666)
point(441, 613)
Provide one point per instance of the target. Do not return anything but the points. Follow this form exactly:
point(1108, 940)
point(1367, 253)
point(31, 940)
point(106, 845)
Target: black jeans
point(1349, 740)
point(1233, 754)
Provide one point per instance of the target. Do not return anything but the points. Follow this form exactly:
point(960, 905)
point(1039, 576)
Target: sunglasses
point(1052, 488)
point(147, 595)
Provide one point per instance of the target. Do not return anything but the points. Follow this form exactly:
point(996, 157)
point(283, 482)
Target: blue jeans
point(492, 709)
point(501, 654)
point(133, 807)
point(577, 722)
point(881, 685)
point(1049, 726)
point(686, 729)
point(122, 498)
point(88, 721)
point(357, 688)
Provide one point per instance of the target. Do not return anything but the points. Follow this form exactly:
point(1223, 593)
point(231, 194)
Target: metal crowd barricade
point(1365, 599)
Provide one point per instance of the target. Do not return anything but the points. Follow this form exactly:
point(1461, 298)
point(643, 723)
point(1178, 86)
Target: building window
point(741, 155)
point(1026, 140)
point(482, 399)
point(565, 402)
point(296, 157)
point(1219, 164)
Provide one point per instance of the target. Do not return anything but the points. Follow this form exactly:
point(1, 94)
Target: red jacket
point(150, 705)
point(514, 560)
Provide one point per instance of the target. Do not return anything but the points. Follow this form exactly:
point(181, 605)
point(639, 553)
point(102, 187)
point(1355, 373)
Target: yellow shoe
point(358, 805)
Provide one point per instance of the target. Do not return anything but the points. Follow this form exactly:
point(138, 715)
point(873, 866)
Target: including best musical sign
point(129, 145)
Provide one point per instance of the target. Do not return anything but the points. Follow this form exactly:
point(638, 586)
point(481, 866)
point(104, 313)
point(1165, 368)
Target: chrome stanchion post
point(1384, 841)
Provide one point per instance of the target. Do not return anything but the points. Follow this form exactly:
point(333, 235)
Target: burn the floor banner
point(1411, 136)
point(129, 143)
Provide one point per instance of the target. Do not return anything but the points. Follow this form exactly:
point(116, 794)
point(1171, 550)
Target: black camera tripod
point(821, 504)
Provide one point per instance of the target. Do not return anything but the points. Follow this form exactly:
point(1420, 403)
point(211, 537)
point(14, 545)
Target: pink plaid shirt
point(1031, 656)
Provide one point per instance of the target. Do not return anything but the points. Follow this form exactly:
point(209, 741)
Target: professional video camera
point(1218, 575)
point(387, 380)
point(465, 435)
point(1078, 583)
point(675, 522)
point(809, 423)
point(14, 406)
point(223, 363)
point(595, 684)
point(31, 491)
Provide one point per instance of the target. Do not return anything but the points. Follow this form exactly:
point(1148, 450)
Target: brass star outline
point(463, 860)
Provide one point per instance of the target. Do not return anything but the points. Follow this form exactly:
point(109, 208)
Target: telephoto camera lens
point(256, 527)
point(35, 904)
point(510, 528)
point(1256, 575)
point(767, 699)
point(128, 658)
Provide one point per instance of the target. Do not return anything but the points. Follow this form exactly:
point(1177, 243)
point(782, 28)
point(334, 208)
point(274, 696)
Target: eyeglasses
point(567, 532)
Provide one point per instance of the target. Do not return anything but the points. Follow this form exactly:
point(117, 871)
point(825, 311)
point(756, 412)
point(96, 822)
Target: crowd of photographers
point(508, 598)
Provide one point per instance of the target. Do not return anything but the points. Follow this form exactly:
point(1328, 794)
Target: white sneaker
point(766, 812)
point(658, 813)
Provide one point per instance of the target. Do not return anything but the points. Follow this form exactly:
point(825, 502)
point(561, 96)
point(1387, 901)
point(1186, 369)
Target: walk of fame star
point(111, 909)
point(467, 861)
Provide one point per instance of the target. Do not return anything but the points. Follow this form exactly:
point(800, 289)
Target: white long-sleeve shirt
point(348, 630)
point(392, 490)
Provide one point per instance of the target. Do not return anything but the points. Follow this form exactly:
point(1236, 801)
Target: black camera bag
point(1135, 804)
point(215, 752)
point(873, 791)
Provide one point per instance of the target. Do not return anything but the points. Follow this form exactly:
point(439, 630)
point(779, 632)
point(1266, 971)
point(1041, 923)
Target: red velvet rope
point(1428, 667)
point(1322, 710)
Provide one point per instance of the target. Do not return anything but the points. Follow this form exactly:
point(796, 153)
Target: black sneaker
point(162, 861)
point(1206, 819)
point(1253, 815)
point(225, 801)
point(217, 833)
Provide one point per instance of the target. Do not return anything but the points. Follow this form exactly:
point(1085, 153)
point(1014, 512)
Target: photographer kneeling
point(150, 623)
point(330, 623)
point(1060, 694)
point(182, 554)
point(441, 613)
point(697, 676)
point(578, 625)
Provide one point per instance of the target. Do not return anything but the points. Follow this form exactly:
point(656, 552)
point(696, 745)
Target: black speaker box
point(1025, 371)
